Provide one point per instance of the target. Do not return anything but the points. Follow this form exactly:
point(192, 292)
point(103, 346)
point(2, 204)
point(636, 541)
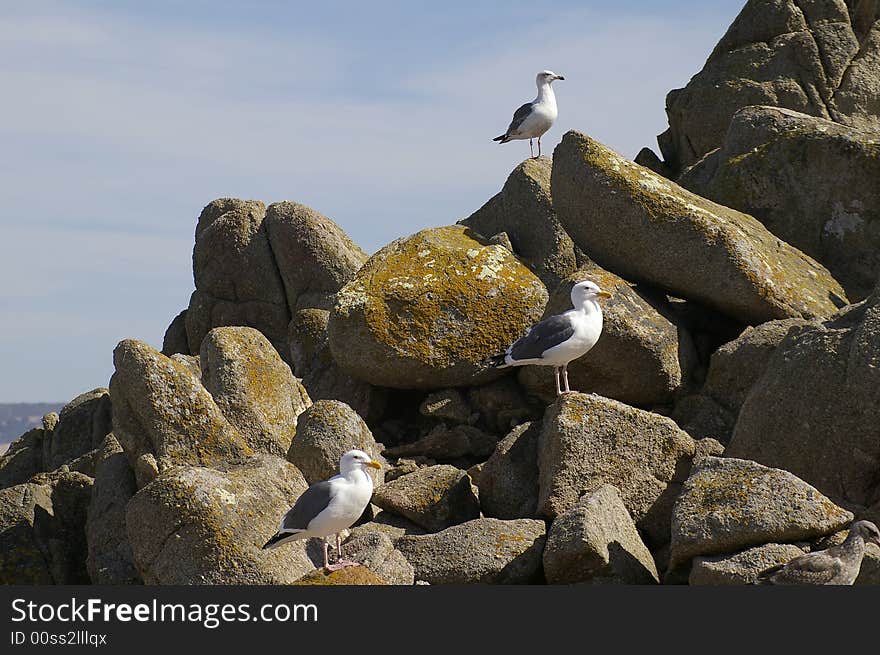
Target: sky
point(120, 120)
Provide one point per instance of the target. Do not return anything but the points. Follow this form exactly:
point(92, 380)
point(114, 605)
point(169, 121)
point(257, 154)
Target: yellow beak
point(603, 294)
point(374, 465)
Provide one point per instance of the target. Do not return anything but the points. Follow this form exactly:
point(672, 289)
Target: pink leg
point(556, 373)
point(531, 149)
point(326, 555)
point(340, 563)
point(565, 378)
point(539, 146)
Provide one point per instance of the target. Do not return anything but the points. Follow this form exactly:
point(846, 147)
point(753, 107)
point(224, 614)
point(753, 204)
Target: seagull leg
point(531, 149)
point(340, 563)
point(565, 379)
point(326, 555)
point(539, 147)
point(556, 372)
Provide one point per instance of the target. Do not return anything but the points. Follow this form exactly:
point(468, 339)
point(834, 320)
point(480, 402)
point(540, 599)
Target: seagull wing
point(518, 117)
point(542, 336)
point(312, 502)
point(811, 569)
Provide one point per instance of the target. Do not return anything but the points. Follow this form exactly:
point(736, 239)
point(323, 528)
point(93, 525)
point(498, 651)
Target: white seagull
point(562, 338)
point(535, 117)
point(331, 506)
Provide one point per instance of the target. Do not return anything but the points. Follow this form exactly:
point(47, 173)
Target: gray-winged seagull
point(838, 565)
point(562, 338)
point(329, 507)
point(535, 117)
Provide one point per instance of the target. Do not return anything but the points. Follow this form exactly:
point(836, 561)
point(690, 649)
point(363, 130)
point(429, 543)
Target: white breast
point(539, 121)
point(587, 330)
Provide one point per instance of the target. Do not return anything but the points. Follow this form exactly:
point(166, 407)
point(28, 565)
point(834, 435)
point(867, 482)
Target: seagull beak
point(603, 294)
point(559, 77)
point(374, 465)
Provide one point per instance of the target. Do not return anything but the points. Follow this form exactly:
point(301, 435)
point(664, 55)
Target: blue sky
point(121, 120)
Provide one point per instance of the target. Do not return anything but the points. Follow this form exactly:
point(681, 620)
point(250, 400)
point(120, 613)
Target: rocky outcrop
point(23, 458)
point(649, 230)
point(810, 181)
point(175, 340)
point(508, 482)
point(523, 211)
point(820, 57)
point(376, 551)
point(82, 425)
point(729, 504)
point(429, 310)
point(253, 388)
point(448, 444)
point(642, 358)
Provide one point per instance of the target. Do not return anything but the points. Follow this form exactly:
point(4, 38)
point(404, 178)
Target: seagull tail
point(277, 539)
point(499, 361)
point(503, 138)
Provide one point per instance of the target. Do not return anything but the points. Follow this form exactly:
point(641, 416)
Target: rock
point(503, 404)
point(315, 256)
point(729, 504)
point(175, 340)
point(253, 387)
point(376, 551)
point(389, 524)
point(701, 416)
point(448, 405)
point(325, 432)
point(479, 551)
point(350, 575)
point(324, 380)
point(236, 275)
point(743, 567)
point(870, 571)
point(447, 444)
point(508, 482)
point(192, 363)
point(163, 416)
point(810, 181)
point(820, 58)
point(523, 211)
point(707, 447)
point(23, 458)
point(42, 530)
point(435, 497)
point(649, 230)
point(82, 425)
point(737, 365)
point(596, 541)
point(429, 310)
point(816, 409)
point(195, 525)
point(642, 357)
point(109, 553)
point(587, 441)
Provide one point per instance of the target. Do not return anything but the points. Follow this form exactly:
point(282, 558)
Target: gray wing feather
point(542, 336)
point(312, 502)
point(519, 116)
point(812, 568)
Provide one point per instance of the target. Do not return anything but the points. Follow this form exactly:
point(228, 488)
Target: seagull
point(559, 339)
point(329, 507)
point(838, 565)
point(535, 117)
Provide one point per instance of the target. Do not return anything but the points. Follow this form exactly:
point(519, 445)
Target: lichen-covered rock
point(649, 230)
point(82, 425)
point(429, 310)
point(508, 482)
point(642, 357)
point(323, 379)
point(448, 444)
point(392, 525)
point(729, 504)
point(349, 576)
point(109, 553)
point(22, 459)
point(523, 211)
point(314, 255)
point(587, 441)
point(448, 405)
point(869, 574)
point(596, 541)
point(195, 525)
point(816, 409)
point(237, 279)
point(820, 57)
point(175, 340)
point(253, 387)
point(325, 432)
point(479, 551)
point(163, 416)
point(376, 551)
point(434, 497)
point(741, 568)
point(503, 404)
point(811, 182)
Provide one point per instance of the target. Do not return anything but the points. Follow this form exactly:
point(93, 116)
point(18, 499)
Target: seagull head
point(586, 291)
point(355, 460)
point(546, 77)
point(867, 530)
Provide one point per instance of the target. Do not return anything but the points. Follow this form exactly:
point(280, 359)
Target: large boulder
point(820, 57)
point(82, 425)
point(587, 441)
point(175, 340)
point(163, 416)
point(523, 211)
point(508, 482)
point(596, 541)
point(740, 568)
point(642, 357)
point(448, 444)
point(195, 525)
point(816, 409)
point(253, 387)
point(109, 553)
point(314, 255)
point(811, 182)
point(434, 497)
point(479, 551)
point(23, 458)
point(429, 310)
point(729, 504)
point(376, 551)
point(326, 431)
point(650, 230)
